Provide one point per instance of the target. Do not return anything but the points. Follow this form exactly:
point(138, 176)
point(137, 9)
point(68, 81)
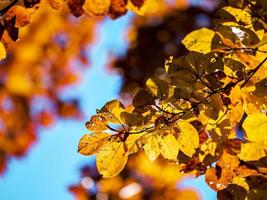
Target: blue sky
point(53, 163)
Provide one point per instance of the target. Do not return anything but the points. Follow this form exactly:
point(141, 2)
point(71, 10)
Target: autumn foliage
point(191, 115)
point(42, 54)
point(206, 115)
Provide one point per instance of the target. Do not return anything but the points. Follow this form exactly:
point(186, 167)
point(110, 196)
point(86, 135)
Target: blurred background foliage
point(141, 179)
point(49, 56)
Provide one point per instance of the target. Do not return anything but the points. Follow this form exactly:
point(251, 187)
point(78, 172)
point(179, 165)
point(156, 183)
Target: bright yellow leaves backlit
point(168, 146)
point(188, 138)
point(255, 127)
point(191, 115)
point(111, 159)
point(152, 148)
point(167, 141)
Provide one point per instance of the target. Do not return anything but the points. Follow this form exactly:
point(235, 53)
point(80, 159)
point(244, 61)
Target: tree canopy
point(206, 114)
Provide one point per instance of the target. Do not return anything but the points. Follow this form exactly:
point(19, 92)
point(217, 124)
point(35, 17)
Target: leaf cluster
point(191, 115)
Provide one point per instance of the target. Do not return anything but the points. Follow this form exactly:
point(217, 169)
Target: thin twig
point(253, 72)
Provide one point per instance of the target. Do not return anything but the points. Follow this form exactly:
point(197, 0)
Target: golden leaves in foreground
point(191, 115)
point(112, 156)
point(169, 146)
point(188, 138)
point(152, 148)
point(111, 159)
point(112, 150)
point(255, 127)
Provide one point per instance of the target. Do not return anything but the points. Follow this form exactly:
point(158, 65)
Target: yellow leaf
point(112, 111)
point(188, 138)
point(169, 146)
point(111, 159)
point(90, 143)
point(209, 147)
point(2, 51)
point(255, 126)
point(96, 7)
point(132, 142)
point(252, 151)
point(151, 147)
point(97, 123)
point(199, 40)
point(236, 108)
